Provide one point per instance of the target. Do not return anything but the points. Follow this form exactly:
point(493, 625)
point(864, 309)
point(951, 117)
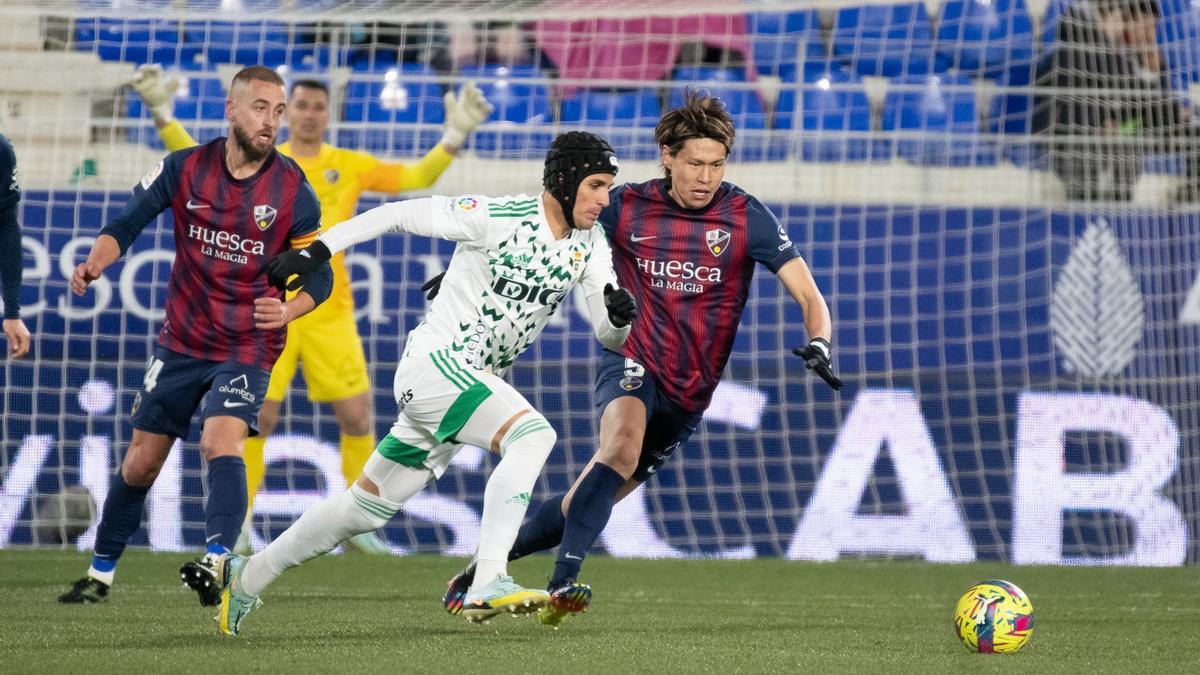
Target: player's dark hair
point(260, 73)
point(702, 115)
point(309, 84)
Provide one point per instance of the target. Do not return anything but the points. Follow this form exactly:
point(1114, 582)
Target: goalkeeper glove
point(157, 91)
point(433, 286)
point(622, 308)
point(816, 358)
point(464, 112)
point(301, 262)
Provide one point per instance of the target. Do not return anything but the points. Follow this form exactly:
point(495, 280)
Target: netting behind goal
point(1004, 231)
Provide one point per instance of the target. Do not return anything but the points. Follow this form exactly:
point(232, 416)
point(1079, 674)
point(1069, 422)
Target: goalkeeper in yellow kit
point(326, 341)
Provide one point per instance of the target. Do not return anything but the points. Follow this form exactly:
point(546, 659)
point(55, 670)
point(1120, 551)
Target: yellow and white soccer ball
point(994, 617)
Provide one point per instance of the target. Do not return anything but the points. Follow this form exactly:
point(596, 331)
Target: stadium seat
point(246, 43)
point(832, 107)
point(782, 41)
point(520, 96)
point(625, 107)
point(232, 7)
point(743, 103)
point(624, 117)
point(1011, 117)
point(393, 113)
point(940, 111)
point(1179, 35)
point(131, 40)
point(1054, 10)
point(986, 37)
point(885, 40)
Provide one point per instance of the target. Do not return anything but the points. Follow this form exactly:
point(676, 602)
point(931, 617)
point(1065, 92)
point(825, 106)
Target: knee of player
point(140, 472)
point(357, 425)
point(530, 434)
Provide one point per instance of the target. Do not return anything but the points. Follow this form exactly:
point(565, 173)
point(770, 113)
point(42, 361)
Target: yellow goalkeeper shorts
point(331, 353)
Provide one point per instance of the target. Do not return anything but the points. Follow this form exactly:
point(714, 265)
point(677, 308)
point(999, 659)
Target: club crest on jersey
point(717, 240)
point(264, 216)
point(332, 176)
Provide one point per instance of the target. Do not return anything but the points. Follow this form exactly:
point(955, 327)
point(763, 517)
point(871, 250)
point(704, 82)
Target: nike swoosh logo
point(572, 557)
point(195, 207)
point(212, 538)
point(635, 239)
point(234, 404)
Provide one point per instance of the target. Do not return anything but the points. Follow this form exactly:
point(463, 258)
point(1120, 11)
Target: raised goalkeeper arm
point(464, 111)
point(157, 91)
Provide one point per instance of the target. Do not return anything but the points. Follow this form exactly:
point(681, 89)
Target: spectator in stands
point(475, 44)
point(1109, 101)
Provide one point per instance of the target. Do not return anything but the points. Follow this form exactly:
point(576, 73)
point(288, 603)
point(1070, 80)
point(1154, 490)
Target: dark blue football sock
point(226, 507)
point(591, 505)
point(121, 517)
point(544, 530)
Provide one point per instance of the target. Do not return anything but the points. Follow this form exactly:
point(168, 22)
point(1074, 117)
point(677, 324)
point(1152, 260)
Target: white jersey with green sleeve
point(507, 277)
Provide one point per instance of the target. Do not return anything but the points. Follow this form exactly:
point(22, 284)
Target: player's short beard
point(246, 143)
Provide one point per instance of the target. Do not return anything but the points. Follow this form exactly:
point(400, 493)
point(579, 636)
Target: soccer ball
point(994, 617)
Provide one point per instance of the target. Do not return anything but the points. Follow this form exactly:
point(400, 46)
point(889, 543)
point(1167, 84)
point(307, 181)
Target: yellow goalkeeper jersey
point(339, 177)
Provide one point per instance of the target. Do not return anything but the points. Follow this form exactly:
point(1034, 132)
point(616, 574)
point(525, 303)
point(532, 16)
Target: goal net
point(997, 198)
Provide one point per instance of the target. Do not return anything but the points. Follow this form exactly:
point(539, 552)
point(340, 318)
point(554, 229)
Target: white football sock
point(524, 450)
point(322, 527)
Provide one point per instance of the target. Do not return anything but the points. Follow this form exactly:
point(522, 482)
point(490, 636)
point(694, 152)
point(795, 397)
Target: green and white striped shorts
point(437, 396)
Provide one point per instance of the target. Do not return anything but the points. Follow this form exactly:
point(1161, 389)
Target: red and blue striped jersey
point(690, 271)
point(226, 230)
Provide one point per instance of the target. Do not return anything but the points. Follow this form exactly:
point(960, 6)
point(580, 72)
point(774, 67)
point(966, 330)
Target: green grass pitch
point(358, 614)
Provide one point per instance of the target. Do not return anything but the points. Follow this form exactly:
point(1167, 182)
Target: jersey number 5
point(633, 368)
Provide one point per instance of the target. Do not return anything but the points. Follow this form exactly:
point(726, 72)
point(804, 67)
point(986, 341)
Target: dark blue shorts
point(667, 425)
point(176, 385)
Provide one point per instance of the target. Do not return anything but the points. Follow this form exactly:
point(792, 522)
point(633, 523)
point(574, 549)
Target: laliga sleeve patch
point(149, 178)
point(467, 204)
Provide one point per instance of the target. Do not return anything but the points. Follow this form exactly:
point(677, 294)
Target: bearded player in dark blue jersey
point(685, 246)
point(236, 203)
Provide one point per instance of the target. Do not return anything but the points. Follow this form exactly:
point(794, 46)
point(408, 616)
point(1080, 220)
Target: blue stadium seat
point(941, 111)
point(833, 107)
point(985, 36)
point(378, 60)
point(268, 43)
point(402, 115)
point(1179, 35)
point(744, 104)
point(624, 117)
point(782, 41)
point(639, 107)
point(885, 40)
point(1054, 10)
point(1011, 116)
point(202, 100)
point(131, 40)
point(521, 99)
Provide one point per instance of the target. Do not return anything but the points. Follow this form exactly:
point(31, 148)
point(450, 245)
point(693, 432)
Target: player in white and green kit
point(516, 260)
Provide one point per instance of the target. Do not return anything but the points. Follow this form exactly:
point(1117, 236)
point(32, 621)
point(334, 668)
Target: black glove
point(303, 262)
point(433, 286)
point(816, 358)
point(622, 308)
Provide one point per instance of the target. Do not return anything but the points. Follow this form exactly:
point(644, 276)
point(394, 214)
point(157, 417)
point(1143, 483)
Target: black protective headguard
point(574, 156)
